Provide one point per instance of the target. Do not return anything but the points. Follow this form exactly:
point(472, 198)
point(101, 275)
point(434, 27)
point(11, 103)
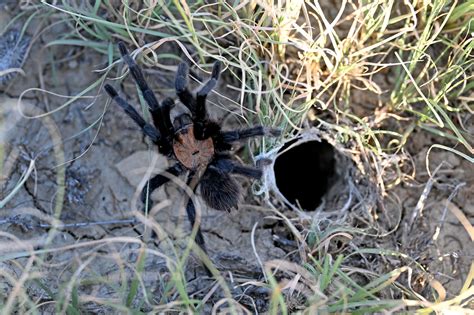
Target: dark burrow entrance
point(305, 172)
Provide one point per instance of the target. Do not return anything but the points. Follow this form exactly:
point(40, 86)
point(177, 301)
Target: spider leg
point(223, 139)
point(201, 95)
point(147, 129)
point(229, 166)
point(164, 115)
point(161, 120)
point(158, 181)
point(236, 135)
point(191, 212)
point(204, 128)
point(181, 86)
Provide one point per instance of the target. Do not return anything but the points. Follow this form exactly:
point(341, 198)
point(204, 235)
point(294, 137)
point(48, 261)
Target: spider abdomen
point(220, 190)
point(192, 153)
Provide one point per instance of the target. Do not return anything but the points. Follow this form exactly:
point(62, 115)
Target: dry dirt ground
point(106, 158)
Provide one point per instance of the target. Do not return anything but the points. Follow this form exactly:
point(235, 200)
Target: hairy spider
point(195, 143)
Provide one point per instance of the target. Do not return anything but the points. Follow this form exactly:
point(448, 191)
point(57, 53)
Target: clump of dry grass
point(370, 75)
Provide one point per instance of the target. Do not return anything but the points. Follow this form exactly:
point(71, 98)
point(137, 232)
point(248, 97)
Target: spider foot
point(211, 83)
point(181, 81)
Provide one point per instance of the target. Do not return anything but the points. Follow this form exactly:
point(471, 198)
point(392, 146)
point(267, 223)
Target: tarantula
point(197, 144)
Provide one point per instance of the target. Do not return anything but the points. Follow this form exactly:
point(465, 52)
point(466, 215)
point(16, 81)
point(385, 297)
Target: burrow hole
point(305, 172)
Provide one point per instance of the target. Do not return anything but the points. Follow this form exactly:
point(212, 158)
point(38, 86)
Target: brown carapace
point(192, 153)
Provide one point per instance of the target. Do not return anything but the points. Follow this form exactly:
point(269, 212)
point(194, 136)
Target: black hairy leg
point(165, 109)
point(137, 74)
point(201, 95)
point(223, 139)
point(226, 165)
point(161, 120)
point(236, 135)
point(191, 213)
point(199, 239)
point(159, 180)
point(203, 127)
point(147, 129)
point(181, 86)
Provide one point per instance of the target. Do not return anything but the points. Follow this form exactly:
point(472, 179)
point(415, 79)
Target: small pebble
point(13, 49)
point(72, 64)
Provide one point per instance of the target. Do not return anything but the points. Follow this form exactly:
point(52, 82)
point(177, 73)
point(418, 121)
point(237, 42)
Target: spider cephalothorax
point(191, 152)
point(195, 143)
